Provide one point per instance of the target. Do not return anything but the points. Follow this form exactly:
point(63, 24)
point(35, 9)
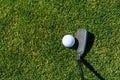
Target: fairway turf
point(31, 34)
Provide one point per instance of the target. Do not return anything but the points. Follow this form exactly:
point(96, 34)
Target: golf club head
point(81, 37)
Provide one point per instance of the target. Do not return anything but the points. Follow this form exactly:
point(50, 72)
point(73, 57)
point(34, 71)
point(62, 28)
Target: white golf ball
point(68, 40)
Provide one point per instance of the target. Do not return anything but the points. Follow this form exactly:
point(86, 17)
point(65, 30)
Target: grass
point(31, 33)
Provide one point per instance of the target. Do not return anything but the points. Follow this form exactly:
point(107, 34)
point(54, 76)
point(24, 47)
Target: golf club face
point(81, 37)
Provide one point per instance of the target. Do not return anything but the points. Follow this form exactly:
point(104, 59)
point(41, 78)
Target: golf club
point(81, 37)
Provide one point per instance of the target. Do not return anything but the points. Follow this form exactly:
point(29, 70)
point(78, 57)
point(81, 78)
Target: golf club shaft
point(80, 68)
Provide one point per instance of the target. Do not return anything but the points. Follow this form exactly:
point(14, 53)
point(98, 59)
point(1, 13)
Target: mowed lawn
point(31, 34)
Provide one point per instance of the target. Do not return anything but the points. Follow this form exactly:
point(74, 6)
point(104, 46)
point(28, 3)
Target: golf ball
point(68, 40)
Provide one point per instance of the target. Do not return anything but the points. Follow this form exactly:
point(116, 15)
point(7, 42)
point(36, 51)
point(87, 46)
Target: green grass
point(31, 33)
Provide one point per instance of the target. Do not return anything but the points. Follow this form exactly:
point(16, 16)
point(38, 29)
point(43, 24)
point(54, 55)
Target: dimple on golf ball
point(68, 40)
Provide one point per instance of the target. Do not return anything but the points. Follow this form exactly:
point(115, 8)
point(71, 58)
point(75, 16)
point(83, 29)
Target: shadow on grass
point(90, 41)
point(91, 68)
